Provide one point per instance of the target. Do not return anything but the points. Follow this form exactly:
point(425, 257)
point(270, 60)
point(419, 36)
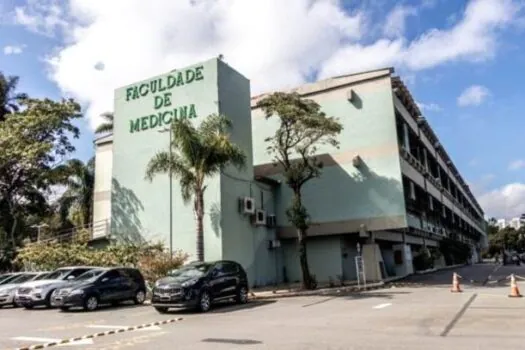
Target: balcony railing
point(98, 229)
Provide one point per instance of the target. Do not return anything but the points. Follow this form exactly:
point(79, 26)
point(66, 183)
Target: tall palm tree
point(107, 125)
point(8, 96)
point(198, 153)
point(79, 180)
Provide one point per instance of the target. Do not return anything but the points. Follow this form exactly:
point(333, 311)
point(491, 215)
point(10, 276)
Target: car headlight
point(37, 291)
point(189, 283)
point(76, 292)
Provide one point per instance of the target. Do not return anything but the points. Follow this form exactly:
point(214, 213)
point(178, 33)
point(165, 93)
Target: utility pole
point(170, 175)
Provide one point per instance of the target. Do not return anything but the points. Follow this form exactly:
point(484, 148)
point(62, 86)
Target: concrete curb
point(101, 334)
point(372, 286)
point(323, 291)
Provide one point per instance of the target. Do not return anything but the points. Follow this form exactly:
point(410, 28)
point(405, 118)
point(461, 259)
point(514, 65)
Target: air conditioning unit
point(274, 244)
point(247, 205)
point(271, 220)
point(260, 217)
point(350, 95)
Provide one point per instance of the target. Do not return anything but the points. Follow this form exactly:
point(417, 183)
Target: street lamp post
point(38, 228)
point(170, 175)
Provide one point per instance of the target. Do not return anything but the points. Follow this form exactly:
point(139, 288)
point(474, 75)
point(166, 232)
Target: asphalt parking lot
point(424, 317)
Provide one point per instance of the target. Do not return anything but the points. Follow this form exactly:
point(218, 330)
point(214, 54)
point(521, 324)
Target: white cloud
point(396, 20)
point(275, 46)
point(473, 96)
point(504, 202)
point(517, 164)
point(13, 49)
point(429, 107)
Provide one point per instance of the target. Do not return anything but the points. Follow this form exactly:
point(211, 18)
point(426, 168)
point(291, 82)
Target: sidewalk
point(295, 290)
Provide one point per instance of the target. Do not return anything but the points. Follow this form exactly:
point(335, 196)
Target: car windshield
point(190, 271)
point(58, 274)
point(23, 278)
point(92, 274)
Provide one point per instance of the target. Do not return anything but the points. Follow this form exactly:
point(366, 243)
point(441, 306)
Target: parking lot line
point(382, 306)
point(103, 326)
point(53, 340)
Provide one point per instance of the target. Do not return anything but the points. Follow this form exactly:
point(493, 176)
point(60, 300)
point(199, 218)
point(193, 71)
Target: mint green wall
point(344, 192)
point(324, 258)
point(140, 209)
point(241, 241)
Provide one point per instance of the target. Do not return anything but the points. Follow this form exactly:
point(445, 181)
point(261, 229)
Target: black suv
point(199, 284)
point(102, 286)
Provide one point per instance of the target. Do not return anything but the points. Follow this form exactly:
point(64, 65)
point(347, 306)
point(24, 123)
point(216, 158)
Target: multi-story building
point(502, 223)
point(515, 223)
point(389, 190)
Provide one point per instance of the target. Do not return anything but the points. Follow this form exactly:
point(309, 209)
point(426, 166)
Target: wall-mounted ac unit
point(247, 205)
point(271, 220)
point(350, 95)
point(274, 244)
point(260, 217)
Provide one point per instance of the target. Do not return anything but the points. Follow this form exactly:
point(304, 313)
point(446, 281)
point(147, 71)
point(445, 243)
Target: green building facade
point(360, 198)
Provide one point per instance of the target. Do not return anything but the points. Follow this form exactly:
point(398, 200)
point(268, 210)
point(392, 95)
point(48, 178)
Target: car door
point(108, 285)
point(217, 281)
point(126, 287)
point(230, 278)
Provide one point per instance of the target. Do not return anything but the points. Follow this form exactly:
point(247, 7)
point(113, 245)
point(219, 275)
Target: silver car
point(8, 290)
point(38, 293)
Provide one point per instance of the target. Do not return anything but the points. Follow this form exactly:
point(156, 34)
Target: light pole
point(170, 175)
point(38, 228)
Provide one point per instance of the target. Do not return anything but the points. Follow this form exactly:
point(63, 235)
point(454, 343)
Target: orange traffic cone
point(455, 284)
point(514, 290)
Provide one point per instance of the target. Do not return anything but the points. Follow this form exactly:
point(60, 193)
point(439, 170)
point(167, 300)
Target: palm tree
point(8, 96)
point(107, 125)
point(79, 179)
point(197, 153)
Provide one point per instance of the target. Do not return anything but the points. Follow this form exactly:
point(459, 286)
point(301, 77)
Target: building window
point(412, 190)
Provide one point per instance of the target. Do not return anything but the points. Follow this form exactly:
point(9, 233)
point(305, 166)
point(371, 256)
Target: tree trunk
point(308, 281)
point(199, 214)
point(12, 233)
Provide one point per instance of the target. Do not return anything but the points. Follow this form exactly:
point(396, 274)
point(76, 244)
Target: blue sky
point(462, 61)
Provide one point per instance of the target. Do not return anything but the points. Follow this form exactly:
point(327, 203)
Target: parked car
point(102, 286)
point(8, 290)
point(199, 285)
point(37, 293)
point(5, 279)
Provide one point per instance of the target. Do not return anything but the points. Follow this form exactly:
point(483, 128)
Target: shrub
point(152, 259)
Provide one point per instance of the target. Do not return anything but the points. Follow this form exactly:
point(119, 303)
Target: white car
point(38, 293)
point(7, 291)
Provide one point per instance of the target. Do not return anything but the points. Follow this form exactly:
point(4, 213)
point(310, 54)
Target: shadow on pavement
point(224, 307)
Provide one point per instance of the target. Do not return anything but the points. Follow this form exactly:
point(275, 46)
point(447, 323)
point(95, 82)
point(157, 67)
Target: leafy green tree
point(107, 125)
point(8, 97)
point(303, 128)
point(34, 140)
point(79, 180)
point(197, 153)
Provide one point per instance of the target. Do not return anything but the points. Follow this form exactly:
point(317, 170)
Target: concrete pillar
point(405, 136)
point(403, 267)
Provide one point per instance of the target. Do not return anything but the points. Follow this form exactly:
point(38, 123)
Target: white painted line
point(53, 340)
point(381, 306)
point(36, 339)
point(103, 326)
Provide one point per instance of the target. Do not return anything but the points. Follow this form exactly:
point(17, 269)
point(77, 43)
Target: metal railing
point(94, 230)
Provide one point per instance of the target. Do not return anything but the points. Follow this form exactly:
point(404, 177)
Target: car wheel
point(140, 297)
point(48, 298)
point(91, 303)
point(161, 310)
point(204, 301)
point(242, 295)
